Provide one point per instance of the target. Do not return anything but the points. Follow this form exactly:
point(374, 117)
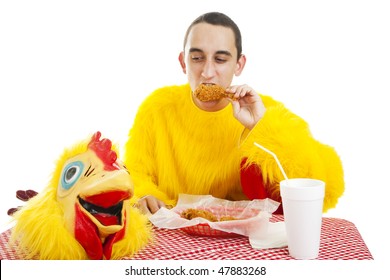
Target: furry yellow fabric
point(41, 231)
point(174, 147)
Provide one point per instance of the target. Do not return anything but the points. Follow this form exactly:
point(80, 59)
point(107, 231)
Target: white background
point(69, 68)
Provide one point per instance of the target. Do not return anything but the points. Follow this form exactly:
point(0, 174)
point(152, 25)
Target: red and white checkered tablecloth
point(339, 240)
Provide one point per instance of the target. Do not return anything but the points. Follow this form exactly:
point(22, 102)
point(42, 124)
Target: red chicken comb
point(102, 148)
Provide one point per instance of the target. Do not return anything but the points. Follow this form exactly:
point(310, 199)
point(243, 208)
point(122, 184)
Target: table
point(340, 240)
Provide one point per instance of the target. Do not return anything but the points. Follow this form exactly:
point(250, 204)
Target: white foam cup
point(302, 200)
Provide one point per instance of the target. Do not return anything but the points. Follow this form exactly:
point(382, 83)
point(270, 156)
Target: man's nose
point(208, 70)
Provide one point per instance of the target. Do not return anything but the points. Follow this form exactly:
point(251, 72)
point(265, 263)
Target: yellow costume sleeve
point(289, 137)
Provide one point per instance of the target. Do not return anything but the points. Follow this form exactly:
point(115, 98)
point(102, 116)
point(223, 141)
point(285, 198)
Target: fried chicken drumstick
point(212, 92)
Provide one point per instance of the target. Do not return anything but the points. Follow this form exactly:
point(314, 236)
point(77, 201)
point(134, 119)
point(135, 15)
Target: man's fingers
point(150, 204)
point(143, 206)
point(153, 204)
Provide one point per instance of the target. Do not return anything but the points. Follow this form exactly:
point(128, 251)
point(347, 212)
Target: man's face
point(210, 57)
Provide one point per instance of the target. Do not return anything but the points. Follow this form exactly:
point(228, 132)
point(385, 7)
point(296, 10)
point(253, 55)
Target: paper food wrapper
point(251, 217)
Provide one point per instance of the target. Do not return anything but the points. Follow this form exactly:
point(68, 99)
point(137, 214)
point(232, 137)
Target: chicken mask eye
point(71, 174)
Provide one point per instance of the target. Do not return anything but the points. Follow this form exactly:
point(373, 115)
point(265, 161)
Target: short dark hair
point(216, 18)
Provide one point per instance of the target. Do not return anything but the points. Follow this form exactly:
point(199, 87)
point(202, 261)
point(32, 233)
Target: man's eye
point(197, 58)
point(220, 60)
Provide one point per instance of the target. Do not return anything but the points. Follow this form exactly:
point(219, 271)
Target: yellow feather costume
point(85, 211)
point(174, 147)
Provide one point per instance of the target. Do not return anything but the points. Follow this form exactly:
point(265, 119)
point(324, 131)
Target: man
point(180, 144)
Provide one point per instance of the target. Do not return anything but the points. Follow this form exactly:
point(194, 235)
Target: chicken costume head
point(85, 212)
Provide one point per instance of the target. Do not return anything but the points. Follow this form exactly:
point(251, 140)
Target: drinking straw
point(275, 157)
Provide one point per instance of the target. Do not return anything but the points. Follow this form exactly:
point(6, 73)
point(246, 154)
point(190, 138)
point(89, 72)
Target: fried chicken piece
point(208, 92)
point(227, 218)
point(192, 213)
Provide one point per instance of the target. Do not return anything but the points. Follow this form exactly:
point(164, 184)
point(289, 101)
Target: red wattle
point(86, 234)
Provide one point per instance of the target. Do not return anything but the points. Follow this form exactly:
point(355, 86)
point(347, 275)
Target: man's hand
point(249, 107)
point(150, 205)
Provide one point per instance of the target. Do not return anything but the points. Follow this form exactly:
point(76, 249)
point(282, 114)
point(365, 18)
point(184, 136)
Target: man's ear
point(240, 65)
point(182, 62)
